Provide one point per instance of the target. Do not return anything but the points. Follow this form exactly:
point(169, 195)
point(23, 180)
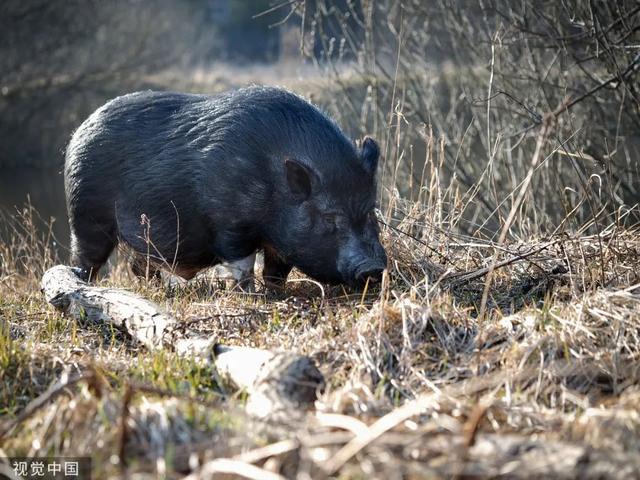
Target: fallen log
point(280, 385)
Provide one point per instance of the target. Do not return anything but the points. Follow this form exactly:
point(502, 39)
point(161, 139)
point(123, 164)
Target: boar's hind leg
point(143, 269)
point(242, 272)
point(90, 252)
point(275, 270)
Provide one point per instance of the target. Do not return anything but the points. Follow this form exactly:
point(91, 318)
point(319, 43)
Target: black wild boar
point(217, 178)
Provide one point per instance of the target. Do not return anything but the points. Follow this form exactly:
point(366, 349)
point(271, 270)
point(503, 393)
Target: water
point(44, 188)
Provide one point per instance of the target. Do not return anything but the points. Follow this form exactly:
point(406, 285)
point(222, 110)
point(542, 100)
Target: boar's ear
point(298, 178)
point(370, 155)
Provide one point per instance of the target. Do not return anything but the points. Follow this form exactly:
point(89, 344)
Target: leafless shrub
point(484, 76)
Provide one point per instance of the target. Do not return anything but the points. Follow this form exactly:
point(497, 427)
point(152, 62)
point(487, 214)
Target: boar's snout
point(362, 268)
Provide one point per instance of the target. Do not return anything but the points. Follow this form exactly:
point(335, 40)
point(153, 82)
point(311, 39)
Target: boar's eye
point(372, 219)
point(329, 222)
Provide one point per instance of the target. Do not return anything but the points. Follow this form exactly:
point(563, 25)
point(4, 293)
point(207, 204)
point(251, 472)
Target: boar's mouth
point(368, 273)
point(372, 274)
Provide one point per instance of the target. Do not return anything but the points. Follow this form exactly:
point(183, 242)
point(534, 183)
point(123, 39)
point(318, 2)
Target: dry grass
point(418, 385)
point(475, 358)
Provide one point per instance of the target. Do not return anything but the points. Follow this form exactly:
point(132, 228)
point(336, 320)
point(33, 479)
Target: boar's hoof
point(245, 285)
point(240, 274)
point(82, 273)
point(274, 284)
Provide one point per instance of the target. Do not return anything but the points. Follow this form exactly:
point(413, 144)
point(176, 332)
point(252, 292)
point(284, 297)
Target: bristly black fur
point(192, 180)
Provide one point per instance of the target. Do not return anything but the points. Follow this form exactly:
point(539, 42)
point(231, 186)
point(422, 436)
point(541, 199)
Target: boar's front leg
point(275, 270)
point(242, 273)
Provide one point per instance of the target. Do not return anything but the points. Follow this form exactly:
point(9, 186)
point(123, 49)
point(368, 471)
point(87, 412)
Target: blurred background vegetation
point(476, 81)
